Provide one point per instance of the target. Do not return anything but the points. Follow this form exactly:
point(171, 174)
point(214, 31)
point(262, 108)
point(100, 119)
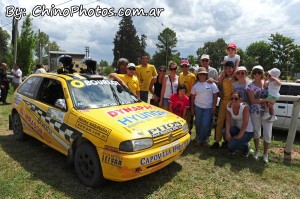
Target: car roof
point(73, 76)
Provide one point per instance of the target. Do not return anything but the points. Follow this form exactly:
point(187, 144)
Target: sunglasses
point(202, 74)
point(235, 98)
point(240, 73)
point(204, 60)
point(162, 71)
point(171, 69)
point(131, 68)
point(256, 72)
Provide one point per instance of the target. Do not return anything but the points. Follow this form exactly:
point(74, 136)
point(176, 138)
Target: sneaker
point(215, 145)
point(265, 116)
point(224, 145)
point(230, 152)
point(273, 118)
point(255, 155)
point(251, 151)
point(265, 158)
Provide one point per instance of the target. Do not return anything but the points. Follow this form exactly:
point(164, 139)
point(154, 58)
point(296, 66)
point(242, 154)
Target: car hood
point(140, 118)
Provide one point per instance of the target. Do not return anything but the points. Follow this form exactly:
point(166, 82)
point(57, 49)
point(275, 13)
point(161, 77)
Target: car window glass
point(30, 86)
point(284, 90)
point(295, 90)
point(50, 91)
point(99, 93)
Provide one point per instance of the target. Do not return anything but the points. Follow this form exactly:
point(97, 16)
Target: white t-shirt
point(18, 72)
point(168, 90)
point(233, 59)
point(203, 92)
point(273, 89)
point(40, 70)
point(238, 119)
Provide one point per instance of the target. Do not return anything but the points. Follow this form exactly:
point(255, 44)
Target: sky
point(195, 22)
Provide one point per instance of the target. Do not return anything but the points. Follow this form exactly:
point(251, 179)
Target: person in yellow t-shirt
point(145, 72)
point(188, 79)
point(129, 79)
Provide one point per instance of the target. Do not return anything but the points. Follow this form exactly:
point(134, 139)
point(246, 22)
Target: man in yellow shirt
point(145, 72)
point(129, 79)
point(188, 79)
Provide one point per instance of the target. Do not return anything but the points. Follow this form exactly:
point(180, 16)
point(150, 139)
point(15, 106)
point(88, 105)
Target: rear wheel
point(17, 127)
point(87, 165)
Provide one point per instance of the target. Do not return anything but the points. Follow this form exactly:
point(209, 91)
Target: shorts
point(166, 102)
point(272, 97)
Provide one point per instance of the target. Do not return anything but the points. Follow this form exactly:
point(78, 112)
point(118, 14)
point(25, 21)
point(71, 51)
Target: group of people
point(4, 80)
point(245, 106)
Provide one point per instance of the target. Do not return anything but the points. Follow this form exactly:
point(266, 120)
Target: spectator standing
point(212, 73)
point(17, 76)
point(257, 98)
point(203, 105)
point(156, 83)
point(227, 89)
point(4, 82)
point(39, 69)
point(179, 103)
point(187, 78)
point(145, 72)
point(129, 79)
point(122, 66)
point(240, 85)
point(238, 135)
point(169, 86)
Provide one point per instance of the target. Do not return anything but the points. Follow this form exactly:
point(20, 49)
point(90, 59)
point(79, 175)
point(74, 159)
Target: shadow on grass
point(47, 165)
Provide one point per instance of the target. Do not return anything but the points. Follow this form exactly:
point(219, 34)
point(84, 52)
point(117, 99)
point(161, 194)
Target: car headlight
point(136, 145)
point(185, 128)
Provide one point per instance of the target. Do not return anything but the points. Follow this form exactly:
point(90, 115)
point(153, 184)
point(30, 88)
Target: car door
point(293, 91)
point(281, 107)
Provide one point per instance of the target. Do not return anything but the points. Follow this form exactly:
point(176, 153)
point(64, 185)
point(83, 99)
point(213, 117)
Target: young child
point(273, 84)
point(232, 55)
point(179, 102)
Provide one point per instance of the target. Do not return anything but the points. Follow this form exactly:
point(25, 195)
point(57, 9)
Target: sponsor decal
point(77, 83)
point(99, 82)
point(93, 128)
point(32, 123)
point(56, 115)
point(167, 151)
point(134, 119)
point(112, 159)
point(123, 111)
point(164, 129)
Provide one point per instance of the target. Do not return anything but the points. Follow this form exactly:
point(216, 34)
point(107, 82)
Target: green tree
point(259, 53)
point(167, 42)
point(126, 42)
point(42, 41)
point(283, 50)
point(103, 63)
point(4, 45)
point(216, 50)
point(143, 44)
point(26, 46)
point(192, 60)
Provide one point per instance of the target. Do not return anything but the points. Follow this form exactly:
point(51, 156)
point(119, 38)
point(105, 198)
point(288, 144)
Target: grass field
point(31, 170)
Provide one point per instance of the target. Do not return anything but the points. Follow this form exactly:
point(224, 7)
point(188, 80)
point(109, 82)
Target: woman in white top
point(239, 135)
point(169, 86)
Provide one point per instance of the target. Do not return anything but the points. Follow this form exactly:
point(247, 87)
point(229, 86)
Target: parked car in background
point(98, 124)
point(283, 109)
point(297, 81)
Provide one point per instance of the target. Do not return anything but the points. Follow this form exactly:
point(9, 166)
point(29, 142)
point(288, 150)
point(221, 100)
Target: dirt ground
point(295, 155)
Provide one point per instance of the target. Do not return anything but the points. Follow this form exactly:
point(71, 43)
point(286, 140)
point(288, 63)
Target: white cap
point(274, 72)
point(241, 68)
point(204, 56)
point(258, 67)
point(130, 65)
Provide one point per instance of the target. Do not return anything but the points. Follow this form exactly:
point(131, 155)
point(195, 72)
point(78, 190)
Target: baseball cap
point(259, 67)
point(204, 56)
point(241, 68)
point(232, 46)
point(274, 72)
point(184, 62)
point(130, 65)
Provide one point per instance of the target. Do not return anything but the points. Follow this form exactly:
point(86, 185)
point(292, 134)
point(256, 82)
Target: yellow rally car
point(98, 124)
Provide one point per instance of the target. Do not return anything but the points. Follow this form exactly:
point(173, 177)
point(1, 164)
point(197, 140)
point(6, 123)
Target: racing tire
point(18, 128)
point(87, 165)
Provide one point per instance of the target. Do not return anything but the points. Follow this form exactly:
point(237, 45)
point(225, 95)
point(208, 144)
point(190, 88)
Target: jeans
point(203, 123)
point(144, 96)
point(241, 144)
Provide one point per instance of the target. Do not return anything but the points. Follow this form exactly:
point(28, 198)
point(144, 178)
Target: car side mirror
point(61, 103)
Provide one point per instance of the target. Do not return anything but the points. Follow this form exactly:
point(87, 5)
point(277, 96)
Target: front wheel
point(17, 127)
point(87, 165)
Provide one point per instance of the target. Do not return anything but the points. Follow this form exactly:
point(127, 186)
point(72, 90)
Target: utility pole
point(40, 51)
point(15, 38)
point(166, 36)
point(87, 51)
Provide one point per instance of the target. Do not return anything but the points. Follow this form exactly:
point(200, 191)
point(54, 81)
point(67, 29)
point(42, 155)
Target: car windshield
point(87, 94)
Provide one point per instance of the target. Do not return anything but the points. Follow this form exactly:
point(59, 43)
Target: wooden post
point(293, 128)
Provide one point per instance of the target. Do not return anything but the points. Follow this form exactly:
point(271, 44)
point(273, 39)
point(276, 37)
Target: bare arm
point(163, 90)
point(118, 79)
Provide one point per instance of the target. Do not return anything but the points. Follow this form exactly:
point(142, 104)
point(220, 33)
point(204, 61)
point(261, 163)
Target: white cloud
point(194, 21)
